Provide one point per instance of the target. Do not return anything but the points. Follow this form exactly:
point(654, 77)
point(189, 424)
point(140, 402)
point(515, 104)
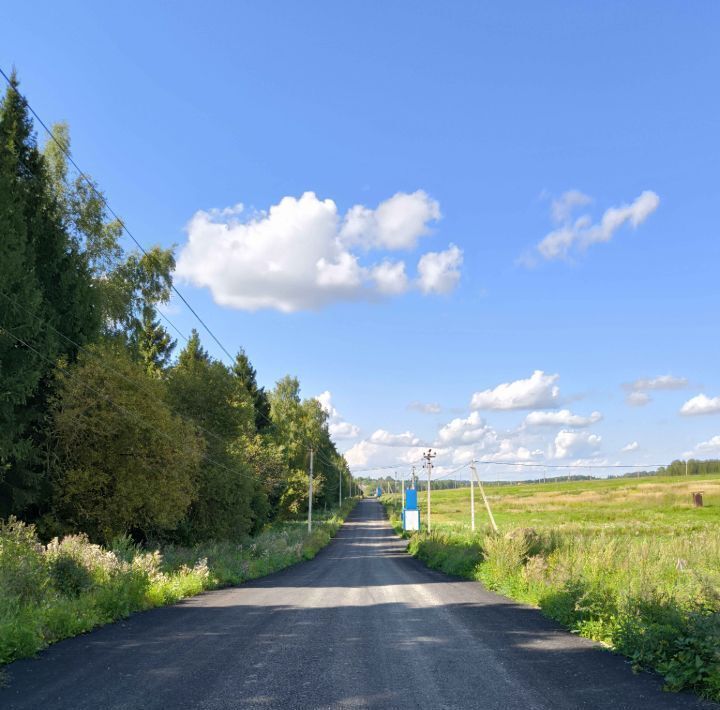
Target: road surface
point(362, 625)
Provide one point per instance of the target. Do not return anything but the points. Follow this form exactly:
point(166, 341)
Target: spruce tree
point(245, 372)
point(47, 302)
point(20, 303)
point(155, 345)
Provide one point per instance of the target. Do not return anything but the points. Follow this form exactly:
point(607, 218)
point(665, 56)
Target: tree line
point(104, 429)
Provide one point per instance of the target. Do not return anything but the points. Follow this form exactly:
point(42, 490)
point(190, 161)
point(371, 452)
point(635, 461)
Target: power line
point(125, 411)
point(124, 227)
point(104, 201)
point(68, 339)
point(569, 465)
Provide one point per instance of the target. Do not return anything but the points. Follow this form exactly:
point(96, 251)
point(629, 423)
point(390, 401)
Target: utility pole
point(310, 490)
point(686, 467)
point(340, 490)
point(472, 501)
point(403, 492)
point(429, 456)
point(482, 491)
point(412, 480)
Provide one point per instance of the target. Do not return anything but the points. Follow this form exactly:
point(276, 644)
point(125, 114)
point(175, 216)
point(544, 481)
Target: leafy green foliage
point(70, 586)
point(204, 391)
point(126, 462)
point(628, 563)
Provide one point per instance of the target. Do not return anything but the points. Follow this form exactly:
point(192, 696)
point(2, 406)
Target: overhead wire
point(100, 196)
point(124, 410)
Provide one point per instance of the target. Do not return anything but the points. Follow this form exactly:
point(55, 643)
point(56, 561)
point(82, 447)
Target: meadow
point(630, 563)
point(70, 586)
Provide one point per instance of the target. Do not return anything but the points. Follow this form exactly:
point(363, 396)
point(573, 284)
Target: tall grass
point(50, 592)
point(651, 593)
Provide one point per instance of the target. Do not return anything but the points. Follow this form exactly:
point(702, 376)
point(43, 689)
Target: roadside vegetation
point(630, 563)
point(131, 474)
point(69, 586)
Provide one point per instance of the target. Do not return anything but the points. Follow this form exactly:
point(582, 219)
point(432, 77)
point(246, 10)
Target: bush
point(655, 600)
point(23, 567)
point(69, 576)
point(70, 586)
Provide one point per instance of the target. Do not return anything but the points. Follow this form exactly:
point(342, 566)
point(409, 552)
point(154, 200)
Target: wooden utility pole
point(310, 490)
point(484, 497)
point(429, 456)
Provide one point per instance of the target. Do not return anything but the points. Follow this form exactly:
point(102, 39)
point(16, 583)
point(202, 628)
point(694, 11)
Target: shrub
point(69, 575)
point(72, 585)
point(23, 567)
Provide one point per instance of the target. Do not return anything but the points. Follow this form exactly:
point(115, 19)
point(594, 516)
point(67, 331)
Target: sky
point(490, 229)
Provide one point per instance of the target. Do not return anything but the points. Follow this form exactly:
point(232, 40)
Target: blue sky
point(416, 127)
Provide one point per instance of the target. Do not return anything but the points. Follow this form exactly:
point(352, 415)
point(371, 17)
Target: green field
point(627, 562)
point(652, 504)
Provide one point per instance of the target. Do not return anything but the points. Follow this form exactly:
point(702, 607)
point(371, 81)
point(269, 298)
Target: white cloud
point(575, 443)
point(539, 390)
point(632, 446)
point(300, 253)
point(439, 272)
point(701, 404)
point(343, 430)
point(367, 454)
point(564, 205)
point(390, 278)
point(708, 449)
point(396, 223)
point(385, 438)
point(337, 426)
point(580, 233)
point(637, 399)
point(472, 430)
point(425, 407)
point(563, 417)
point(662, 382)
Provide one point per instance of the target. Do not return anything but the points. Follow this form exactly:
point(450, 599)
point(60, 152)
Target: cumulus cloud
point(701, 404)
point(637, 399)
point(709, 448)
point(539, 390)
point(396, 223)
point(576, 234)
point(471, 430)
point(563, 417)
point(632, 446)
point(385, 438)
point(439, 272)
point(575, 443)
point(367, 454)
point(425, 407)
point(337, 426)
point(302, 254)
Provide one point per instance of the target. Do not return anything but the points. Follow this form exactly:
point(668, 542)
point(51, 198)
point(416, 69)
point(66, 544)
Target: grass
point(70, 586)
point(627, 562)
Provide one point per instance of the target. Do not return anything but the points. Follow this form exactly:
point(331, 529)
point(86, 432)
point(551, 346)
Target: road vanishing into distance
point(362, 625)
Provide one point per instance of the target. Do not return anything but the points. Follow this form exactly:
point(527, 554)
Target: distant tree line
point(102, 429)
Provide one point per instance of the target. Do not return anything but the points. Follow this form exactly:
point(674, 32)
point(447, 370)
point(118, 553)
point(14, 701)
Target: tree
point(127, 463)
point(245, 372)
point(155, 345)
point(20, 301)
point(204, 391)
point(46, 284)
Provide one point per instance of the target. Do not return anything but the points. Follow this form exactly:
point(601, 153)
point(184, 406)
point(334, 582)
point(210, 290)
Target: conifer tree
point(155, 345)
point(20, 302)
point(245, 372)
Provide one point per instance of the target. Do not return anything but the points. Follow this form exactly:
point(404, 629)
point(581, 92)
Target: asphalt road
point(361, 625)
